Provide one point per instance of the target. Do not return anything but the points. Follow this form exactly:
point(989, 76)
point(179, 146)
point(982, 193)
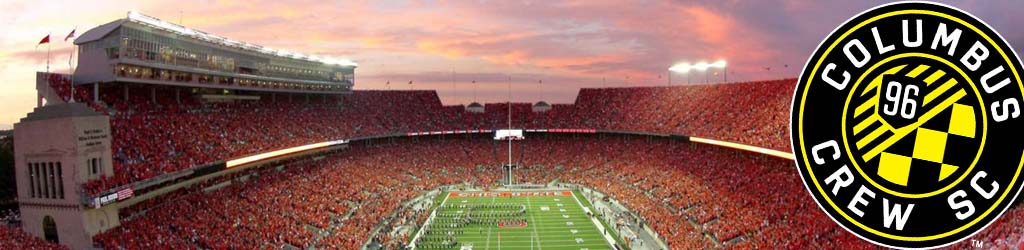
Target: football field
point(553, 220)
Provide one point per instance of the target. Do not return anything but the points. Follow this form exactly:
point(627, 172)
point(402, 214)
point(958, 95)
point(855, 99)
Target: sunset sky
point(565, 44)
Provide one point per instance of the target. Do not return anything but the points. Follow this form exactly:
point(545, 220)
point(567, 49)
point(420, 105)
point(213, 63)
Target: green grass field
point(554, 220)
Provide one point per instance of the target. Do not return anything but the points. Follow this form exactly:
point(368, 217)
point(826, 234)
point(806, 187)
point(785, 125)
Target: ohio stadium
point(168, 137)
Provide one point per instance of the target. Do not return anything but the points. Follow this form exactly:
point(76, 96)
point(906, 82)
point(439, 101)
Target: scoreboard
point(509, 134)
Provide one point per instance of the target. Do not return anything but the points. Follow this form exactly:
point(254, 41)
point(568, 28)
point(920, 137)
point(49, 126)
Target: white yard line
point(597, 223)
point(489, 230)
point(488, 244)
point(533, 218)
point(430, 219)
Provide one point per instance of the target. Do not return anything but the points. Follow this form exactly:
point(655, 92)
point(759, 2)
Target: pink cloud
point(39, 55)
point(569, 44)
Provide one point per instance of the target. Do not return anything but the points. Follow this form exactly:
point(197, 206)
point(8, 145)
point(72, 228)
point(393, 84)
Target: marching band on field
point(451, 221)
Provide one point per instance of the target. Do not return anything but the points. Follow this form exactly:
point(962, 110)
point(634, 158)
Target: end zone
point(509, 194)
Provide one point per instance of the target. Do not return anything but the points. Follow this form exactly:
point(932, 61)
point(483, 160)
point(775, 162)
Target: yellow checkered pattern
point(929, 145)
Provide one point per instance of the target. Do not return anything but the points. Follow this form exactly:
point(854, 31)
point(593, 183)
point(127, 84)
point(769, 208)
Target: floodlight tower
point(510, 128)
point(725, 69)
point(684, 68)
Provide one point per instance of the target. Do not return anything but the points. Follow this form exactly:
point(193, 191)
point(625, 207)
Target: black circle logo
point(905, 125)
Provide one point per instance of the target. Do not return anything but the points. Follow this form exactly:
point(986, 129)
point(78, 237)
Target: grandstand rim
point(260, 158)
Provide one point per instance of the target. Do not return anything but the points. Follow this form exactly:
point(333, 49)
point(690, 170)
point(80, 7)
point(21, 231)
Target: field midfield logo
point(905, 125)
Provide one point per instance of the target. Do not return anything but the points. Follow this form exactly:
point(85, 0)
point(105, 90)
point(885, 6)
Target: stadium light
point(725, 69)
point(680, 68)
point(685, 68)
point(701, 66)
point(718, 64)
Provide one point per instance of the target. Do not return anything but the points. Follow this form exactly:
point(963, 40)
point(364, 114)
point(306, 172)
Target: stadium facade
point(69, 142)
point(143, 49)
point(63, 144)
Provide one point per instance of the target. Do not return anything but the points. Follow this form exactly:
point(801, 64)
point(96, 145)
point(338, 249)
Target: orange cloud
point(711, 27)
point(571, 43)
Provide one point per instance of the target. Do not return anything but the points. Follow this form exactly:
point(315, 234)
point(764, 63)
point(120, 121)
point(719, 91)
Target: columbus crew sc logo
point(907, 125)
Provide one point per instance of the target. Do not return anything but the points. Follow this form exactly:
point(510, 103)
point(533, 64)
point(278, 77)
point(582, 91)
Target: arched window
point(50, 230)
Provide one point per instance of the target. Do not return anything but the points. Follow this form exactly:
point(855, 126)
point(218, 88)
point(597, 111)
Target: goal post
point(509, 135)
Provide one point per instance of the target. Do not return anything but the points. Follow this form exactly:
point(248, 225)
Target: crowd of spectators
point(685, 192)
point(160, 130)
point(1004, 234)
point(13, 238)
point(740, 199)
point(329, 203)
point(754, 113)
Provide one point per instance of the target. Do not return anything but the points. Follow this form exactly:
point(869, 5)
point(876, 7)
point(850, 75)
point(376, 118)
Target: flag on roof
point(45, 40)
point(70, 35)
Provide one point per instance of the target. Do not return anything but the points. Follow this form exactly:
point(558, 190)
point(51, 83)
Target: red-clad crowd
point(14, 238)
point(684, 191)
point(329, 203)
point(741, 199)
point(1004, 234)
point(755, 113)
point(158, 131)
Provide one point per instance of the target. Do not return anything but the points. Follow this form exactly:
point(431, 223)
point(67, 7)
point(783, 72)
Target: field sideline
point(554, 220)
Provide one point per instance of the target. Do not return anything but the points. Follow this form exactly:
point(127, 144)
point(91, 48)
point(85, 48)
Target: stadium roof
point(102, 31)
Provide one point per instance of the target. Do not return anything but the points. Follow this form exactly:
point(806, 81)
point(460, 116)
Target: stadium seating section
point(14, 238)
point(684, 191)
point(156, 133)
